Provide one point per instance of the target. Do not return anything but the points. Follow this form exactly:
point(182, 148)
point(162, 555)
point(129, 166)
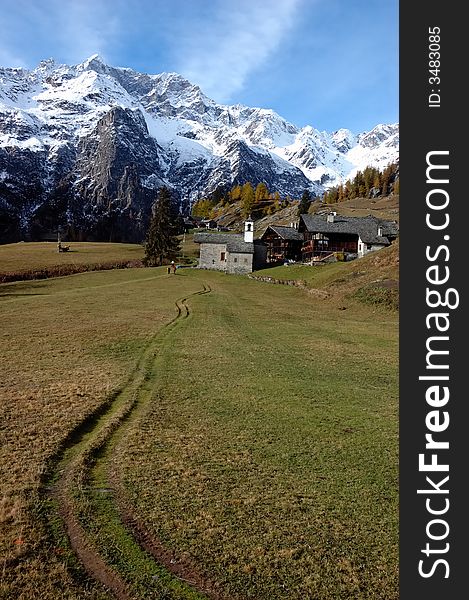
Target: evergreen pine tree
point(161, 242)
point(305, 203)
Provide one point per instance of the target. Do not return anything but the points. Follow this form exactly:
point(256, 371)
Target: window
point(222, 256)
point(245, 261)
point(235, 259)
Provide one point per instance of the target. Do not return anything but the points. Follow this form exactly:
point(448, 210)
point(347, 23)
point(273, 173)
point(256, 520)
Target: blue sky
point(325, 63)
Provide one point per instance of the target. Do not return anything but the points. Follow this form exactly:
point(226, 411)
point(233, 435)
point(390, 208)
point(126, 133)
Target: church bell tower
point(249, 230)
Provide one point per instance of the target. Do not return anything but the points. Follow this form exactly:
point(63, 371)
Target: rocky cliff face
point(86, 147)
point(107, 182)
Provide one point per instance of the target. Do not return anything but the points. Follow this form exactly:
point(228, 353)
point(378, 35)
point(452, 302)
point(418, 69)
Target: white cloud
point(221, 52)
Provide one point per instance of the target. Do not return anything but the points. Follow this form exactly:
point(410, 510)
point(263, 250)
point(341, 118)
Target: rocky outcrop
point(111, 165)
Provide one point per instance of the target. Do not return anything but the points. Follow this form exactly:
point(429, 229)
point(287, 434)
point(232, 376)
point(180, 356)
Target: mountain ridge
point(88, 145)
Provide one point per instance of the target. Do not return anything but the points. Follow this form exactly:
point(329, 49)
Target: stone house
point(231, 253)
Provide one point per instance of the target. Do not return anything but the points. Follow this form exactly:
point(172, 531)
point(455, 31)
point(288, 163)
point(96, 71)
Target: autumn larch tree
point(247, 199)
point(261, 193)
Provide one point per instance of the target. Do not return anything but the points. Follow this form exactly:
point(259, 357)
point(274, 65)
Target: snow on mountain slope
point(142, 131)
point(377, 148)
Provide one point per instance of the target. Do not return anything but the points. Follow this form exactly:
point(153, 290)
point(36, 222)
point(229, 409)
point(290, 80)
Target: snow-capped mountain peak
point(105, 138)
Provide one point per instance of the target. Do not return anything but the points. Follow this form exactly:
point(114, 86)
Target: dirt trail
point(83, 450)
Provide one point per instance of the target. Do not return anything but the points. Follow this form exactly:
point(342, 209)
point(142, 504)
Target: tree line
point(259, 201)
point(369, 183)
point(256, 201)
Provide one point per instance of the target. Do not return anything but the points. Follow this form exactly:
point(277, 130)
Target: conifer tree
point(161, 242)
point(368, 177)
point(235, 194)
point(340, 193)
point(348, 190)
point(262, 192)
point(377, 181)
point(385, 177)
point(305, 203)
point(202, 208)
point(333, 196)
point(247, 199)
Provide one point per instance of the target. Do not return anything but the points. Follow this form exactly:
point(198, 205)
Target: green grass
point(265, 452)
point(189, 250)
point(313, 276)
point(372, 280)
point(269, 456)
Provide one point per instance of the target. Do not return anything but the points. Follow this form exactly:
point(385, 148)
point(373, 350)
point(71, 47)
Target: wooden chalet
point(324, 235)
point(283, 243)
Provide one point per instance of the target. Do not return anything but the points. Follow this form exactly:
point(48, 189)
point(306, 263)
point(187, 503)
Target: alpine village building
point(230, 252)
point(314, 239)
point(283, 243)
point(324, 235)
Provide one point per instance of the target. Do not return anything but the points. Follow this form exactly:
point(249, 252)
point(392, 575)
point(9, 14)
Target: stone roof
point(286, 233)
point(234, 242)
point(365, 227)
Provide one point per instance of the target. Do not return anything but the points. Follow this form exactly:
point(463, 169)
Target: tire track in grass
point(105, 478)
point(67, 490)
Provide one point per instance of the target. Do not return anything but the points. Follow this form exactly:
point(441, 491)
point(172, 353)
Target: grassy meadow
point(373, 279)
point(260, 452)
point(25, 256)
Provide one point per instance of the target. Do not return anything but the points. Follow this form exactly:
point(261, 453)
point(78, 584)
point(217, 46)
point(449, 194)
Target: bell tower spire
point(249, 230)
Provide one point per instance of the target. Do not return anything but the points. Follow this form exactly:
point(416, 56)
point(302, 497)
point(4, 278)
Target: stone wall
point(210, 256)
point(235, 262)
point(238, 262)
point(299, 283)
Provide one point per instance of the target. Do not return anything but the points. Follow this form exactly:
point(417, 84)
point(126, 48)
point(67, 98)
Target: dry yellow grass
point(383, 208)
point(64, 345)
point(25, 256)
